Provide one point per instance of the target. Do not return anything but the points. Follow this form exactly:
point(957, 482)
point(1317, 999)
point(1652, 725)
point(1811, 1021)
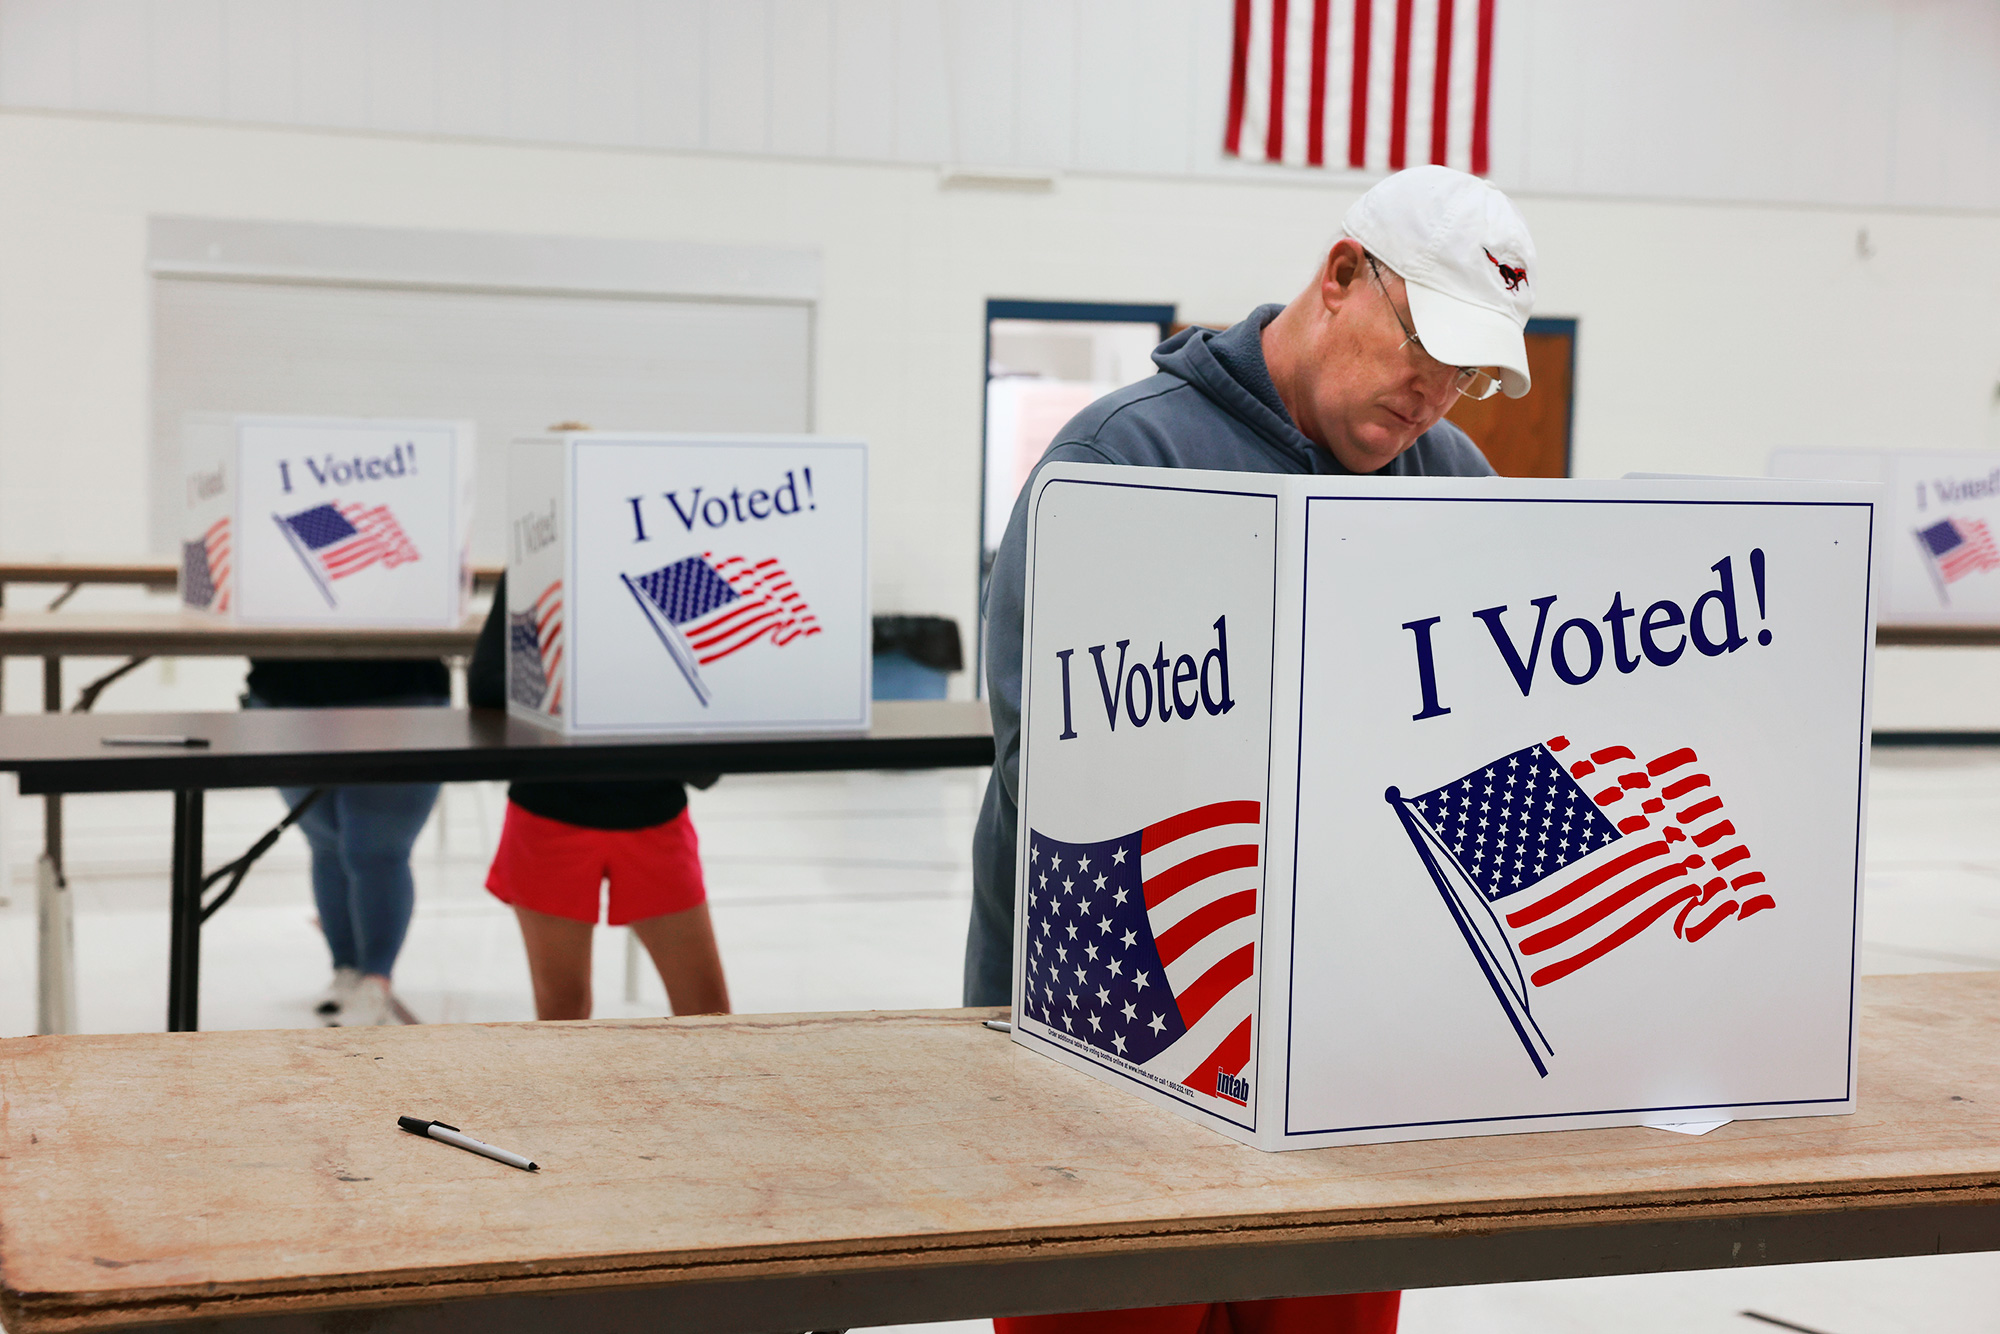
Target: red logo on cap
point(1513, 277)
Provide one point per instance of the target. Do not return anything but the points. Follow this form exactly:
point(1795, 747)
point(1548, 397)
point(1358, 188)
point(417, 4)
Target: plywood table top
point(806, 1171)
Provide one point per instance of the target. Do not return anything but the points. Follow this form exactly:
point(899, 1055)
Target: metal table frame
point(63, 753)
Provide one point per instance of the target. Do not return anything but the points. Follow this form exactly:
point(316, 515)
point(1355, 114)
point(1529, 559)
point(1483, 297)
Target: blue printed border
point(1854, 938)
point(619, 439)
point(1264, 848)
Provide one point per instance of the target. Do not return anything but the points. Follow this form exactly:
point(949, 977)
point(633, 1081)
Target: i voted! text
point(330, 471)
point(1577, 650)
point(794, 495)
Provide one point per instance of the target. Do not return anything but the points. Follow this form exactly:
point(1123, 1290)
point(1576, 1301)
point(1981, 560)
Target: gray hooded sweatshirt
point(1212, 405)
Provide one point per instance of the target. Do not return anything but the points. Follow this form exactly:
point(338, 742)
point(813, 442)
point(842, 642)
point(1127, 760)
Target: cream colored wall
point(1710, 334)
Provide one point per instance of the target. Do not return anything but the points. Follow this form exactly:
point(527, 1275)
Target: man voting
point(1423, 298)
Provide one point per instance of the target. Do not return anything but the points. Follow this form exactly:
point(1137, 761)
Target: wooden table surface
point(193, 634)
point(768, 1172)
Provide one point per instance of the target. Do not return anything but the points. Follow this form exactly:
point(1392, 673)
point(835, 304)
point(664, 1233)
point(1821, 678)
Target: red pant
point(1354, 1313)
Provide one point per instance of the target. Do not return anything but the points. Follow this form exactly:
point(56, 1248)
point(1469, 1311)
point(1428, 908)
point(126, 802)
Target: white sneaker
point(337, 992)
point(367, 1007)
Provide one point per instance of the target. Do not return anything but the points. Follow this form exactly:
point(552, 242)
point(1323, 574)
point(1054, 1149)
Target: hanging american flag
point(1954, 548)
point(1375, 85)
point(703, 609)
point(336, 540)
point(205, 569)
point(534, 652)
point(1143, 946)
point(1544, 876)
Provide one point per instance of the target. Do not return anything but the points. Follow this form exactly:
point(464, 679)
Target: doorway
point(1529, 437)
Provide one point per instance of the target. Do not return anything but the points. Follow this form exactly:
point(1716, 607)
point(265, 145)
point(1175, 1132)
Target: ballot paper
point(704, 584)
point(1377, 809)
point(326, 520)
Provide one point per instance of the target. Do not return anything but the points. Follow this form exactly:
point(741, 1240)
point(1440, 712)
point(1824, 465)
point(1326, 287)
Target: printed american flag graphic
point(205, 569)
point(336, 540)
point(1549, 860)
point(703, 609)
point(534, 652)
point(1956, 548)
point(1375, 85)
point(1144, 946)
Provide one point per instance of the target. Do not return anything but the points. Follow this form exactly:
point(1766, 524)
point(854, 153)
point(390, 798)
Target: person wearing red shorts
point(564, 843)
point(1353, 1313)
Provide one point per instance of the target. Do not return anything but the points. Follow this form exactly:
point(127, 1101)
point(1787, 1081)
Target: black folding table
point(65, 753)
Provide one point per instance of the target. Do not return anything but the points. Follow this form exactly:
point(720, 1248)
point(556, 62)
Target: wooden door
point(1529, 437)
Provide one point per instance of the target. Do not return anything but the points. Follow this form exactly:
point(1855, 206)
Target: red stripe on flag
point(1757, 904)
point(1441, 83)
point(1209, 989)
point(1357, 93)
point(1671, 760)
point(1710, 922)
point(1720, 829)
point(1228, 1059)
point(1482, 88)
point(1583, 884)
point(1611, 942)
point(1570, 927)
point(1699, 809)
point(1213, 862)
point(1203, 922)
point(1162, 832)
point(1239, 68)
point(1316, 103)
point(1274, 128)
point(1399, 95)
point(1728, 859)
point(1610, 753)
point(1680, 787)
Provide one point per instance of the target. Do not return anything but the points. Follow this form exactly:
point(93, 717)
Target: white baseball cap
point(1465, 255)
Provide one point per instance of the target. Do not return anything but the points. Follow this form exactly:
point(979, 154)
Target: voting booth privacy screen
point(350, 521)
point(679, 583)
point(1941, 512)
point(1380, 809)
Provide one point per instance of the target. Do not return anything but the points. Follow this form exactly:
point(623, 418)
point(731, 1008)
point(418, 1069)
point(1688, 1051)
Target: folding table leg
point(55, 990)
point(184, 943)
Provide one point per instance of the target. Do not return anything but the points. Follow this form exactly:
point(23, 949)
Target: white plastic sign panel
point(300, 520)
point(1941, 528)
point(695, 584)
point(1377, 809)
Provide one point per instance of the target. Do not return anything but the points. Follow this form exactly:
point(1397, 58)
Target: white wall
point(1710, 333)
point(1858, 102)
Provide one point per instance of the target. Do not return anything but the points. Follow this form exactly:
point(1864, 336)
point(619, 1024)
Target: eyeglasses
point(1469, 380)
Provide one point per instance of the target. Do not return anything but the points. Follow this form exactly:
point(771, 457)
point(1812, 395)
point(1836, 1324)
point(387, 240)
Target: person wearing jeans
point(360, 836)
point(361, 839)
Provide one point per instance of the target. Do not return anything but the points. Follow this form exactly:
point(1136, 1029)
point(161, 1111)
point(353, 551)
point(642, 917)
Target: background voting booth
point(345, 521)
point(709, 584)
point(1942, 566)
point(1438, 807)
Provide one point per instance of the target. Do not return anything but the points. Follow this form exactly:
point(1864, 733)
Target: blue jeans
point(361, 839)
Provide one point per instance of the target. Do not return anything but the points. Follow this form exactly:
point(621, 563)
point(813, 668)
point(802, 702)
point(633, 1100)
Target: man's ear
point(1345, 269)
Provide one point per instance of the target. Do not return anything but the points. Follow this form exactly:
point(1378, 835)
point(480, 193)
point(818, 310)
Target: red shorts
point(550, 867)
point(1355, 1313)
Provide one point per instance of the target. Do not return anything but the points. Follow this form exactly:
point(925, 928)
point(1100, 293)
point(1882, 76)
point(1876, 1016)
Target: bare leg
point(683, 948)
point(559, 963)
